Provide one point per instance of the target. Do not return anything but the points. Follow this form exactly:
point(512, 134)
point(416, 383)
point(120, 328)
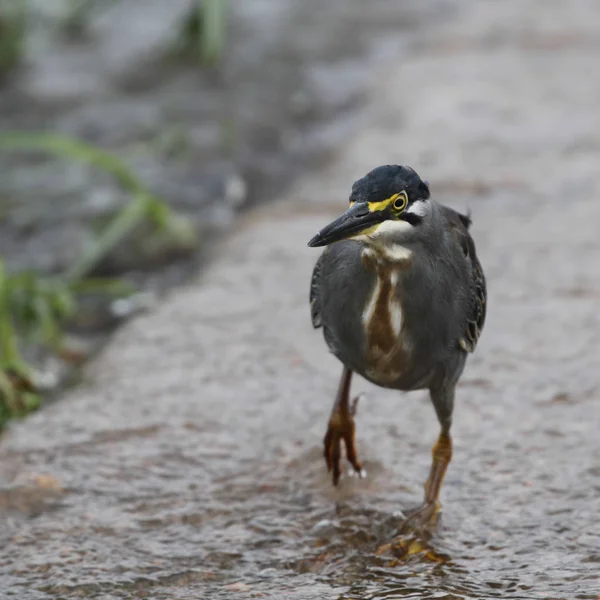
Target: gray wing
point(315, 298)
point(475, 317)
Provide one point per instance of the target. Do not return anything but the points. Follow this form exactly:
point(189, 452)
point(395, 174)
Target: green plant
point(204, 31)
point(144, 204)
point(212, 31)
point(31, 308)
point(13, 21)
point(34, 308)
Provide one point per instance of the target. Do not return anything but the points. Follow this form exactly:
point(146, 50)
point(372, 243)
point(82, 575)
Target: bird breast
point(386, 347)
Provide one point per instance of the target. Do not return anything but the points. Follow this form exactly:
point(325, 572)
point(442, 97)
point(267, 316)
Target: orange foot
point(411, 545)
point(341, 427)
point(417, 527)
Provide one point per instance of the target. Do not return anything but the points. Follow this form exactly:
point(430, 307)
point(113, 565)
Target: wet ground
point(188, 462)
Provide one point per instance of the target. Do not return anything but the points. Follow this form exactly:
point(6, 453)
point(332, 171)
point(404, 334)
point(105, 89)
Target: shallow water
point(203, 476)
point(188, 462)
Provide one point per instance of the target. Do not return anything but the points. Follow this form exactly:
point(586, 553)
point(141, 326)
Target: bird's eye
point(401, 201)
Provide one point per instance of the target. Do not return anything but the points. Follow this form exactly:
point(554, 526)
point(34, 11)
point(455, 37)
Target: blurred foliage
point(202, 36)
point(78, 15)
point(203, 32)
point(13, 22)
point(144, 205)
point(212, 31)
point(33, 309)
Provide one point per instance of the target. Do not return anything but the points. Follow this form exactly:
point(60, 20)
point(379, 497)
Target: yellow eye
point(401, 201)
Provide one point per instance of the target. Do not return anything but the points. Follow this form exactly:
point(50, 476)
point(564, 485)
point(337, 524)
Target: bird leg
point(341, 427)
point(425, 514)
point(441, 456)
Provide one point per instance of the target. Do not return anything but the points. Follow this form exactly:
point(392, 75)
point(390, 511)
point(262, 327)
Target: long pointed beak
point(356, 219)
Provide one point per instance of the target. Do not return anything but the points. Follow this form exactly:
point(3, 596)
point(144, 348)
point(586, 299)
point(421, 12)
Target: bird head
point(388, 200)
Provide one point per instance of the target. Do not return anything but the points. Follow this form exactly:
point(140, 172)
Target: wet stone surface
point(188, 462)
